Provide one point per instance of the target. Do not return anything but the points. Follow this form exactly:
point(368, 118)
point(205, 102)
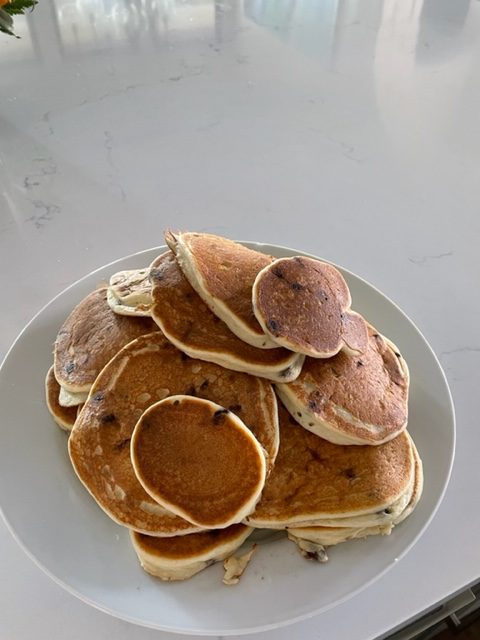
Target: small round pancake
point(63, 416)
point(89, 337)
point(189, 324)
point(315, 480)
point(145, 371)
point(352, 399)
point(304, 305)
point(129, 292)
point(198, 460)
point(182, 557)
point(222, 272)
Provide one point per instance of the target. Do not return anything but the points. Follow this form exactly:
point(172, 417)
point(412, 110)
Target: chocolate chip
point(108, 417)
point(191, 391)
point(314, 454)
point(350, 473)
point(359, 363)
point(277, 272)
point(219, 416)
point(299, 414)
point(310, 424)
point(273, 326)
point(312, 404)
point(156, 274)
point(398, 355)
point(98, 397)
point(204, 385)
point(296, 286)
point(69, 367)
point(176, 403)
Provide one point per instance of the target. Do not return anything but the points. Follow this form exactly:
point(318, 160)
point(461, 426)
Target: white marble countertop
point(348, 129)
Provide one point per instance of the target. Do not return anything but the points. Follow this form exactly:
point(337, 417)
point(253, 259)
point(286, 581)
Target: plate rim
point(283, 623)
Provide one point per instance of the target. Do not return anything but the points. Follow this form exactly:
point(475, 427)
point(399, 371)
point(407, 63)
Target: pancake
point(198, 460)
point(349, 399)
point(182, 557)
point(304, 305)
point(63, 416)
point(332, 535)
point(142, 373)
point(89, 337)
point(190, 325)
point(129, 293)
point(222, 272)
point(315, 481)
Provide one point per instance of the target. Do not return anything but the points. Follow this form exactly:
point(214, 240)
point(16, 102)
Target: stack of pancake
point(220, 390)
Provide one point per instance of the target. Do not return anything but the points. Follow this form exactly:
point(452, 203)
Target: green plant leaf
point(17, 7)
point(6, 23)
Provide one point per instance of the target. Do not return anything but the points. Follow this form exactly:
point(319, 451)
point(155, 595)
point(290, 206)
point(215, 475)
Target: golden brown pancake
point(190, 325)
point(198, 460)
point(352, 399)
point(332, 535)
point(63, 416)
point(222, 272)
point(142, 373)
point(183, 556)
point(129, 292)
point(314, 479)
point(89, 337)
point(304, 305)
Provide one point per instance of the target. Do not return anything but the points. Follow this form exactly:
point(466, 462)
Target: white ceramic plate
point(63, 530)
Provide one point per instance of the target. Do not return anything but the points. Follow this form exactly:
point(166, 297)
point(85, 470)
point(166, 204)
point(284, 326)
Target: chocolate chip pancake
point(182, 557)
point(129, 292)
point(63, 416)
point(304, 305)
point(332, 535)
point(142, 373)
point(315, 481)
point(222, 272)
point(89, 337)
point(189, 324)
point(198, 460)
point(352, 399)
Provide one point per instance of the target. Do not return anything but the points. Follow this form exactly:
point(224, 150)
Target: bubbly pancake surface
point(63, 416)
point(89, 337)
point(303, 304)
point(223, 272)
point(144, 372)
point(352, 399)
point(315, 479)
point(198, 460)
point(187, 322)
